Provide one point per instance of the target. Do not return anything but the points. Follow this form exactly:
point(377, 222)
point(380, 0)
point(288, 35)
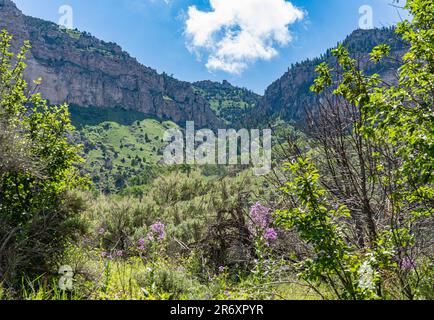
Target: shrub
point(38, 214)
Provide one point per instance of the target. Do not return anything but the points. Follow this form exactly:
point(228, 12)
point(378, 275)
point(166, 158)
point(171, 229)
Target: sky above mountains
point(250, 43)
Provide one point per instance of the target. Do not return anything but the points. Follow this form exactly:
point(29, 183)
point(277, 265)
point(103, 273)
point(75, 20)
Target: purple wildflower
point(407, 264)
point(270, 235)
point(101, 231)
point(260, 216)
point(119, 253)
point(141, 244)
point(227, 294)
point(104, 254)
point(221, 269)
point(157, 230)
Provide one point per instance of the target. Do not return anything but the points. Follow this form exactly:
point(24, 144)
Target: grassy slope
point(115, 153)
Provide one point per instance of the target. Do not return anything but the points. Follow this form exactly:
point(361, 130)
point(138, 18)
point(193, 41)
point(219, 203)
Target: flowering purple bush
point(407, 264)
point(259, 216)
point(106, 255)
point(270, 235)
point(260, 220)
point(157, 232)
point(141, 244)
point(227, 294)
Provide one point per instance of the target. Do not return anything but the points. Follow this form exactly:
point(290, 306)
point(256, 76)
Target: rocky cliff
point(288, 97)
point(83, 71)
point(77, 68)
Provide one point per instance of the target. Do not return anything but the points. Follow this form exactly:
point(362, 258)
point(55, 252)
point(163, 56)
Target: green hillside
point(230, 103)
point(116, 153)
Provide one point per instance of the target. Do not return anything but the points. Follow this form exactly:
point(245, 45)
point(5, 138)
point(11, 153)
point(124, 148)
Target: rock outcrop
point(289, 97)
point(77, 68)
point(81, 70)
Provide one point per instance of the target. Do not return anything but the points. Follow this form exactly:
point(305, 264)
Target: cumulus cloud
point(236, 33)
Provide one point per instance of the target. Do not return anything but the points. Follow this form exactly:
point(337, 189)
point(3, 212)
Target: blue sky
point(168, 36)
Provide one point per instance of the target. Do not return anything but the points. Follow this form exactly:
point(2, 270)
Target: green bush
point(166, 281)
point(38, 214)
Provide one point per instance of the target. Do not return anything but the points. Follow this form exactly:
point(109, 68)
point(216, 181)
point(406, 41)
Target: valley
point(342, 210)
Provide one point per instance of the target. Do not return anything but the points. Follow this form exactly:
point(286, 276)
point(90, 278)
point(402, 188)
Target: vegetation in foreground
point(346, 214)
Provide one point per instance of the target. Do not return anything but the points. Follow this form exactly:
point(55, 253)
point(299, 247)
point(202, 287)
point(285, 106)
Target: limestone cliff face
point(77, 68)
point(289, 97)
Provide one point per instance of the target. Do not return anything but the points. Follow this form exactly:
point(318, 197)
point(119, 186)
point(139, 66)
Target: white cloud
point(237, 33)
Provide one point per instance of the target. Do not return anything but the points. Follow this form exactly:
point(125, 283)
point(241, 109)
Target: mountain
point(122, 108)
point(288, 97)
point(103, 83)
point(230, 103)
point(78, 69)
